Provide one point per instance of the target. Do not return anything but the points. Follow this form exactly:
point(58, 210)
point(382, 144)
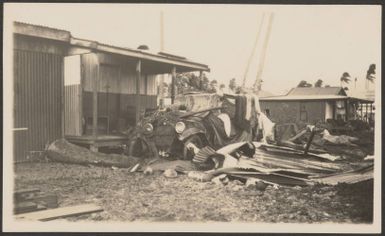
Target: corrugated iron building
point(38, 87)
point(311, 105)
point(80, 89)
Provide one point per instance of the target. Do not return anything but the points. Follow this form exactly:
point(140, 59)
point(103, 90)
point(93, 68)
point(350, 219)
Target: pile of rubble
point(256, 165)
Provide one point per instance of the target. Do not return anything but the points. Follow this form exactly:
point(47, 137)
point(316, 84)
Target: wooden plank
point(24, 207)
point(47, 200)
point(57, 213)
point(22, 194)
point(138, 78)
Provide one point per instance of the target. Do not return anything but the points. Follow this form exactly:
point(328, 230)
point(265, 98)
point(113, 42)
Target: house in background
point(80, 89)
point(311, 105)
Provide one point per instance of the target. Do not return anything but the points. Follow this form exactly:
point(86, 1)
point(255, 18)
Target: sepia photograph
point(191, 118)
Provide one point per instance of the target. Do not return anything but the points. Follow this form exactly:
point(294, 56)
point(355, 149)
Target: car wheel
point(140, 147)
point(189, 154)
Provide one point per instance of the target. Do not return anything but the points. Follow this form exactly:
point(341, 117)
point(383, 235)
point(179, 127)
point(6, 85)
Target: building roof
point(182, 64)
point(303, 97)
point(314, 94)
point(316, 91)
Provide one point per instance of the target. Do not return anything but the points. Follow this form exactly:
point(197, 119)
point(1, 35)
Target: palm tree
point(304, 84)
point(345, 78)
point(318, 83)
point(370, 75)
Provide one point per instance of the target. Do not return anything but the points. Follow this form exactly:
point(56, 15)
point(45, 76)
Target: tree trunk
point(63, 151)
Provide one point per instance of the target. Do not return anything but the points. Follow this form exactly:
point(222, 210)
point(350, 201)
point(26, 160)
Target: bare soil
point(127, 196)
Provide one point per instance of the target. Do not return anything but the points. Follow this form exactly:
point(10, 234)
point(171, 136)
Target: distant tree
point(233, 85)
point(222, 86)
point(195, 81)
point(304, 84)
point(318, 83)
point(327, 86)
point(370, 74)
point(182, 83)
point(345, 78)
point(346, 88)
point(205, 83)
point(213, 86)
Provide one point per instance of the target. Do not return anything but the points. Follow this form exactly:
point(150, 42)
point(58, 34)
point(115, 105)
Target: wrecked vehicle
point(154, 136)
point(176, 132)
point(238, 119)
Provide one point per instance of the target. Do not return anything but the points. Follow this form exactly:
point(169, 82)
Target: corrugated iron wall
point(38, 87)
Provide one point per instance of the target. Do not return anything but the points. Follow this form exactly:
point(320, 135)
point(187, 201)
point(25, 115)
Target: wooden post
point(95, 84)
point(95, 103)
point(346, 110)
point(201, 80)
point(138, 105)
point(361, 108)
point(62, 102)
point(173, 78)
point(307, 147)
point(371, 110)
point(366, 112)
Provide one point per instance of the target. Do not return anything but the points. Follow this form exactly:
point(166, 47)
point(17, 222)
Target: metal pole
point(258, 81)
point(253, 50)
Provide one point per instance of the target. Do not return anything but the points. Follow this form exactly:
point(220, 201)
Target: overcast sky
point(306, 42)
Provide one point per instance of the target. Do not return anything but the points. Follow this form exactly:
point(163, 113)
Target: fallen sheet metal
point(285, 166)
point(350, 177)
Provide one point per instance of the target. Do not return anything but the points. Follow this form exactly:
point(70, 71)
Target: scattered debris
point(200, 176)
point(350, 177)
point(28, 200)
point(170, 173)
point(135, 168)
point(220, 179)
point(148, 171)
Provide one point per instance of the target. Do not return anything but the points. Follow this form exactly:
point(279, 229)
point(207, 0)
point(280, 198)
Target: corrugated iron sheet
point(38, 86)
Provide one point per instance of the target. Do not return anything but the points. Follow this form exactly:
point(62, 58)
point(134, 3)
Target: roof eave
point(41, 32)
point(138, 54)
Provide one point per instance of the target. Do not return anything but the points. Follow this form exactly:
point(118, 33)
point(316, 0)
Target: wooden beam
point(201, 79)
point(307, 147)
point(173, 80)
point(41, 32)
point(57, 213)
point(137, 97)
point(192, 66)
point(95, 83)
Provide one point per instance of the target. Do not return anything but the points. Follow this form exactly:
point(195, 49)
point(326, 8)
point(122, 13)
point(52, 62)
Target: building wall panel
point(290, 111)
point(38, 90)
point(72, 110)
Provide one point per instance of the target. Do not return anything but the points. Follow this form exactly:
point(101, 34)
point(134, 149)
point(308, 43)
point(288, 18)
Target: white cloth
point(267, 127)
point(226, 123)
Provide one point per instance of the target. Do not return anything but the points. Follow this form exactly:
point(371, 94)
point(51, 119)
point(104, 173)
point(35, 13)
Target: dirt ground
point(127, 196)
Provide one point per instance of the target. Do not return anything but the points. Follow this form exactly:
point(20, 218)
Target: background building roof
point(317, 91)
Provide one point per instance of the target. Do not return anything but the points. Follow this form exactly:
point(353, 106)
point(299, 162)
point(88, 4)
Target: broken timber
point(52, 214)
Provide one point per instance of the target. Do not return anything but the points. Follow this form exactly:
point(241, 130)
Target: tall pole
point(161, 87)
point(258, 80)
point(253, 50)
